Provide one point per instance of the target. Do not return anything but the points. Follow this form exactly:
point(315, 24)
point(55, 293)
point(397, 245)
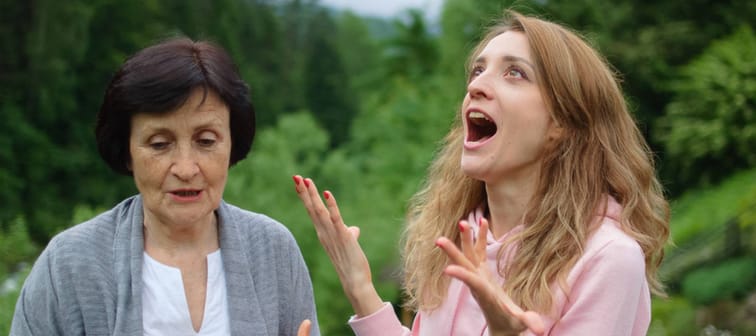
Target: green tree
point(328, 89)
point(709, 130)
point(412, 51)
point(360, 53)
point(53, 104)
point(252, 34)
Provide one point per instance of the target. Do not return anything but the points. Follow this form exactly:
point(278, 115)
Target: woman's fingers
point(341, 245)
point(320, 211)
point(302, 186)
point(469, 277)
point(482, 239)
point(304, 328)
point(333, 208)
point(466, 240)
point(456, 256)
point(469, 266)
point(490, 297)
point(326, 218)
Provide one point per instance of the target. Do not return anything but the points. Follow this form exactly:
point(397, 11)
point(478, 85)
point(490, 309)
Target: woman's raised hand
point(504, 317)
point(340, 243)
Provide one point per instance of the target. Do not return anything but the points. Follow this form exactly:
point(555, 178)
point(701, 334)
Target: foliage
point(16, 253)
point(15, 247)
point(712, 120)
point(412, 51)
point(328, 88)
point(731, 279)
point(672, 316)
point(8, 297)
point(705, 227)
point(360, 53)
point(700, 208)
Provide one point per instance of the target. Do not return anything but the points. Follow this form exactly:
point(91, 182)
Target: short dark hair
point(159, 79)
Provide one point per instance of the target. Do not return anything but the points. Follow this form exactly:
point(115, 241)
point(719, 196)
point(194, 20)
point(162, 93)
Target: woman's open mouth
point(479, 127)
point(186, 194)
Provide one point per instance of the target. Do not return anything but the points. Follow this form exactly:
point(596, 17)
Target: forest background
point(360, 104)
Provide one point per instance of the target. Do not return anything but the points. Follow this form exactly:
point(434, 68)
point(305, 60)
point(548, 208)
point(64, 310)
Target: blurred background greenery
point(360, 104)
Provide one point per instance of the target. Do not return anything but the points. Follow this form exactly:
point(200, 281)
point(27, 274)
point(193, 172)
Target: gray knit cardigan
point(88, 281)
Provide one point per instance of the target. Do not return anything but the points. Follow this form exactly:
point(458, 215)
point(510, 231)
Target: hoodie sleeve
point(609, 294)
point(384, 322)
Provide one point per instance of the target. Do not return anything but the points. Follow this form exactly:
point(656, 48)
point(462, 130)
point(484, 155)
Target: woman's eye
point(160, 145)
point(475, 72)
point(206, 139)
point(206, 142)
point(515, 73)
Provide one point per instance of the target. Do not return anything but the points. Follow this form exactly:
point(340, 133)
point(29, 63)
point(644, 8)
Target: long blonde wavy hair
point(601, 152)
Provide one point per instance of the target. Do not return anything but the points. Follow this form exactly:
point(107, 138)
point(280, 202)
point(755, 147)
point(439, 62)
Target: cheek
point(146, 173)
point(217, 167)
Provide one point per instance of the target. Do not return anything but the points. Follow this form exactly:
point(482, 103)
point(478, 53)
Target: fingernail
point(327, 194)
point(307, 182)
point(296, 181)
point(438, 242)
point(461, 227)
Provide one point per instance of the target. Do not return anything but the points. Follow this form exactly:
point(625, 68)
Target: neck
point(508, 202)
point(170, 241)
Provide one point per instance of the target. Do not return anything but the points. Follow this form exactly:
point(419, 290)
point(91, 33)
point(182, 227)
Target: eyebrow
point(154, 129)
point(508, 58)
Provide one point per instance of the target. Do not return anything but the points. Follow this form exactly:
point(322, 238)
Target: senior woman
point(174, 259)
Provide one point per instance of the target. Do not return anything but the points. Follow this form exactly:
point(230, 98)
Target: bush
point(732, 279)
point(9, 297)
point(15, 247)
point(711, 121)
point(672, 316)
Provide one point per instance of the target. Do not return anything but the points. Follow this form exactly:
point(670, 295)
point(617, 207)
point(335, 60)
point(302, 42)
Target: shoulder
point(258, 232)
point(251, 223)
point(94, 237)
point(613, 253)
point(250, 239)
point(610, 241)
point(81, 255)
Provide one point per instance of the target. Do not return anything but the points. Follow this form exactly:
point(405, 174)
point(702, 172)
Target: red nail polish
point(307, 182)
point(327, 194)
point(461, 227)
point(296, 181)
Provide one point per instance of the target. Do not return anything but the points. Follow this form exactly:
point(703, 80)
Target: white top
point(164, 307)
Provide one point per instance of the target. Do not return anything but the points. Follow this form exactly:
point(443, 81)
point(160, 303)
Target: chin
point(472, 170)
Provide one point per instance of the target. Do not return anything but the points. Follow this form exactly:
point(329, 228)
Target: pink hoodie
point(609, 294)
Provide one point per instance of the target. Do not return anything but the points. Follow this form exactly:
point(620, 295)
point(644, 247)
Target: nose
point(184, 164)
point(479, 87)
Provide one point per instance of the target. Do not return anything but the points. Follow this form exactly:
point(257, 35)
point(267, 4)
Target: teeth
point(187, 193)
point(477, 115)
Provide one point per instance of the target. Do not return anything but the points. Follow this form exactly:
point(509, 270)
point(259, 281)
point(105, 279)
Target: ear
point(555, 131)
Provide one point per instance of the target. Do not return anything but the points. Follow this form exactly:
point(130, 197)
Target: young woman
point(540, 215)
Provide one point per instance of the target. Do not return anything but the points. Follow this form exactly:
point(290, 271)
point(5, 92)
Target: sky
point(386, 8)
